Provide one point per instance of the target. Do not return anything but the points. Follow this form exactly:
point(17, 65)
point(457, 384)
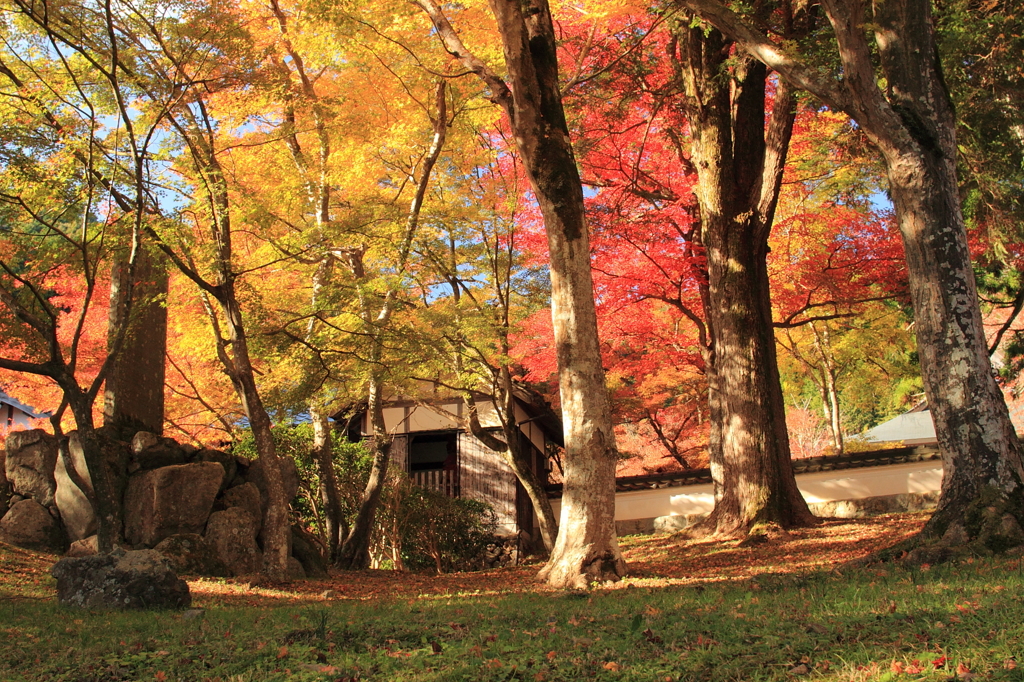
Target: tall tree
point(586, 548)
point(909, 118)
point(739, 159)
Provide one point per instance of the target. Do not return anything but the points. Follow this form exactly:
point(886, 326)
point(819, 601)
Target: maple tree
point(77, 155)
point(476, 288)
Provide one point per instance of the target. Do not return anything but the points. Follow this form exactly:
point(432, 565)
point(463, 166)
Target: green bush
point(421, 529)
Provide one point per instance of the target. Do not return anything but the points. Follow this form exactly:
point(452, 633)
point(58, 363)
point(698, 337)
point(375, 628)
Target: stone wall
point(202, 508)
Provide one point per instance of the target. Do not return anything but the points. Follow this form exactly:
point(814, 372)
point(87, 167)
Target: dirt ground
point(654, 560)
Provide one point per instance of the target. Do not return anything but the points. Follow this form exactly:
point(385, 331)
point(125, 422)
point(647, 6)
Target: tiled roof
point(857, 460)
point(8, 400)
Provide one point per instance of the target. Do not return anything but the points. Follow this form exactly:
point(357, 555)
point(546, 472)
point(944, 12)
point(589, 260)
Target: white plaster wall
point(824, 486)
point(425, 419)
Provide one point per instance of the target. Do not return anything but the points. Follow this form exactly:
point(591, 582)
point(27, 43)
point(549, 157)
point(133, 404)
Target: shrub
point(420, 529)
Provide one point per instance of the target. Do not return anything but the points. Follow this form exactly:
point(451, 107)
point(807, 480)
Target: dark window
point(433, 451)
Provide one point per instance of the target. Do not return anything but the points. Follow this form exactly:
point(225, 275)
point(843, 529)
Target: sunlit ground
point(654, 560)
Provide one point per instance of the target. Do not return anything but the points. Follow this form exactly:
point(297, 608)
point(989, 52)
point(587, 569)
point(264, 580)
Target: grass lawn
point(791, 609)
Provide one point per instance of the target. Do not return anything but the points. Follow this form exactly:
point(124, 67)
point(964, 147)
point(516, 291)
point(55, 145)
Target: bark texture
point(134, 391)
point(739, 160)
point(911, 123)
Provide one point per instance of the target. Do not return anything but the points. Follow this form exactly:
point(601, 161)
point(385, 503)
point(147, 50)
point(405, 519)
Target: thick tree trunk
point(982, 499)
point(586, 548)
point(983, 479)
point(736, 189)
point(134, 390)
point(355, 553)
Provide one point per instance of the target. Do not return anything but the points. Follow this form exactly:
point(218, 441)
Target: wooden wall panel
point(487, 478)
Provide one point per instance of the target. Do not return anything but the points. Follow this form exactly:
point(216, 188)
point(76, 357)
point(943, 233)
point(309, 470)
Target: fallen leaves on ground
point(654, 561)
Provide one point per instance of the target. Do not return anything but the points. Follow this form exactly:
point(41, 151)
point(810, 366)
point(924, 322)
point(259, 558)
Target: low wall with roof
point(903, 479)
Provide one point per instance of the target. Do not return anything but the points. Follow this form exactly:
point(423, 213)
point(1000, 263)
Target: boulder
point(142, 440)
point(5, 485)
point(72, 501)
point(164, 452)
point(246, 496)
point(224, 459)
point(84, 547)
point(307, 550)
point(31, 457)
point(192, 554)
point(28, 524)
point(170, 500)
point(232, 534)
point(129, 580)
point(71, 474)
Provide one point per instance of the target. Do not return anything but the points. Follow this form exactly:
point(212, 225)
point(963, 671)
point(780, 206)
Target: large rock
point(246, 496)
point(192, 554)
point(74, 481)
point(232, 534)
point(170, 500)
point(224, 459)
point(84, 547)
point(132, 580)
point(152, 452)
point(31, 457)
point(73, 502)
point(28, 524)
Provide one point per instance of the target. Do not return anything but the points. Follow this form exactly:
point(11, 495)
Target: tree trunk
point(355, 553)
point(981, 498)
point(134, 390)
point(106, 497)
point(829, 386)
point(330, 494)
point(914, 127)
point(587, 548)
point(737, 186)
point(276, 524)
point(512, 450)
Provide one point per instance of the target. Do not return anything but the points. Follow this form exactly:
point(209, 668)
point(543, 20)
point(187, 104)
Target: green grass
point(861, 624)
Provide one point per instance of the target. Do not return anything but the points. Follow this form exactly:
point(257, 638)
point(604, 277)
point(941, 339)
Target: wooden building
point(438, 453)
